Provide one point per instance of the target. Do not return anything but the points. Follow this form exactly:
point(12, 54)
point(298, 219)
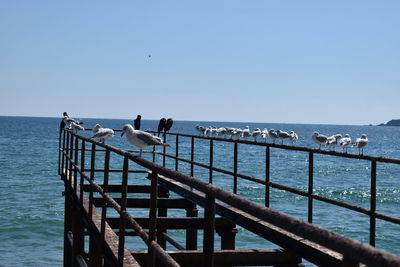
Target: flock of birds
point(144, 139)
point(133, 134)
point(331, 142)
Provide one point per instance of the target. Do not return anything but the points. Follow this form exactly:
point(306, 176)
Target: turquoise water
point(31, 210)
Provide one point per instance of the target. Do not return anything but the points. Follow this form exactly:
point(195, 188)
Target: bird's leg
point(140, 153)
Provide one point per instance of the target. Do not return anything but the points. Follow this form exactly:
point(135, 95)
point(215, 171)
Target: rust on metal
point(108, 246)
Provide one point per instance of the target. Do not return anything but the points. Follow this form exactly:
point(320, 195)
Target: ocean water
point(31, 202)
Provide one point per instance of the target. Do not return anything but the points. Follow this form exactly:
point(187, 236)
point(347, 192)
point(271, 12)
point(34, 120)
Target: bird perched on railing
point(161, 125)
point(96, 128)
point(333, 140)
point(345, 142)
point(293, 136)
point(361, 143)
point(168, 125)
point(136, 122)
point(141, 139)
point(75, 127)
point(67, 120)
point(319, 139)
point(103, 133)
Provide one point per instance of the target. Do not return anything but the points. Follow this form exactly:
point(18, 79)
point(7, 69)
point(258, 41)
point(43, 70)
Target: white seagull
point(246, 132)
point(293, 136)
point(96, 128)
point(256, 133)
point(319, 139)
point(282, 135)
point(75, 127)
point(103, 134)
point(273, 134)
point(333, 140)
point(200, 129)
point(68, 120)
point(345, 142)
point(141, 139)
point(361, 143)
point(264, 134)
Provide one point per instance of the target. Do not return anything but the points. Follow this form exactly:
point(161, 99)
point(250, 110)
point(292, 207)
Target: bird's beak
point(122, 134)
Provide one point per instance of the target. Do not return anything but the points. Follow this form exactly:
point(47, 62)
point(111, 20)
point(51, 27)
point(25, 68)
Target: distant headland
point(391, 123)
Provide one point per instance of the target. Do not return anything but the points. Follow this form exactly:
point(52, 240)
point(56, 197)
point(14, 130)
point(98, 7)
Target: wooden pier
point(102, 225)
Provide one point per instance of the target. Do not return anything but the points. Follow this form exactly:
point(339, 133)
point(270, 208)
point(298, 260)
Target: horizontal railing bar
point(290, 189)
point(130, 171)
point(287, 147)
point(302, 193)
point(171, 203)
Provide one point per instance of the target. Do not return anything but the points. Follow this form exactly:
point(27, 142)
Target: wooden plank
point(247, 257)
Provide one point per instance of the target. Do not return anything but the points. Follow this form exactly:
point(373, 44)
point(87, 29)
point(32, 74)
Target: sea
point(32, 204)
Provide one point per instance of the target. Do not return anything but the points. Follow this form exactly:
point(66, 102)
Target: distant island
point(391, 123)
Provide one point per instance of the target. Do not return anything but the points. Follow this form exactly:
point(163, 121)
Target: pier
point(118, 209)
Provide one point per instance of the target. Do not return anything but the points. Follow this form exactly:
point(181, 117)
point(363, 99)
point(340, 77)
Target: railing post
point(92, 166)
point(191, 233)
point(63, 156)
point(373, 204)
point(153, 216)
point(209, 229)
point(310, 185)
point(124, 193)
point(105, 189)
point(235, 166)
point(210, 173)
point(82, 169)
point(192, 157)
point(176, 152)
point(71, 154)
point(267, 174)
point(76, 164)
point(164, 149)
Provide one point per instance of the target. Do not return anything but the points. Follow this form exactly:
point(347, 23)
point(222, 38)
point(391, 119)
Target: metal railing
point(309, 194)
point(72, 163)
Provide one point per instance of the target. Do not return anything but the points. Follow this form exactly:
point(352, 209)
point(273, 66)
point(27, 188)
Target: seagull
point(141, 139)
point(361, 143)
point(137, 122)
point(221, 131)
point(246, 132)
point(264, 134)
point(75, 127)
point(168, 125)
point(161, 125)
point(68, 120)
point(103, 134)
point(293, 136)
point(238, 132)
point(200, 129)
point(282, 135)
point(256, 133)
point(345, 142)
point(333, 140)
point(319, 139)
point(273, 134)
point(230, 131)
point(96, 128)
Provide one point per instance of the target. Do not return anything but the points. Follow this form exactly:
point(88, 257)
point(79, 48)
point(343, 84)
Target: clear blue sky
point(330, 62)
